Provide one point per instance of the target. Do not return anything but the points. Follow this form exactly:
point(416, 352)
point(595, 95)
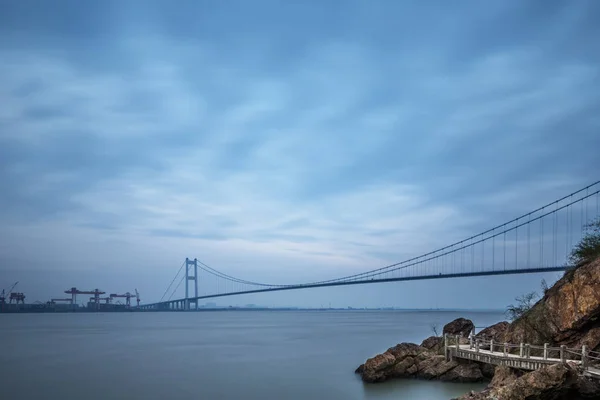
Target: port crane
point(106, 300)
point(128, 297)
point(9, 293)
point(74, 292)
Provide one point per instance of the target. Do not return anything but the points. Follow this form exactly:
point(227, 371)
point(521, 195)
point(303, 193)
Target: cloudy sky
point(285, 141)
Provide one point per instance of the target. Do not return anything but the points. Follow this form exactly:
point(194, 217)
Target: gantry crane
point(106, 300)
point(128, 297)
point(17, 297)
point(8, 293)
point(74, 292)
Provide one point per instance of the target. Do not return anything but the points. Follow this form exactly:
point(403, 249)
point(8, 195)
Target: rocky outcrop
point(460, 326)
point(494, 332)
point(569, 312)
point(549, 383)
point(408, 360)
point(434, 343)
point(504, 376)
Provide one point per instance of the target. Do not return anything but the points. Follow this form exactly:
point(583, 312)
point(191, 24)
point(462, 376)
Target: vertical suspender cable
point(529, 242)
point(517, 244)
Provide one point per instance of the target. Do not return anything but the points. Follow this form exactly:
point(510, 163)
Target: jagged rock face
point(408, 360)
point(434, 343)
point(549, 383)
point(569, 312)
point(495, 332)
point(503, 376)
point(587, 388)
point(460, 326)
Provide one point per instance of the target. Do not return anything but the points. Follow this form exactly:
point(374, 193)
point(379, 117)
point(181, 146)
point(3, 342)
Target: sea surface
point(283, 355)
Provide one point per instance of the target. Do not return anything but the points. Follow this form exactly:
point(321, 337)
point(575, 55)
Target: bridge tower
point(188, 277)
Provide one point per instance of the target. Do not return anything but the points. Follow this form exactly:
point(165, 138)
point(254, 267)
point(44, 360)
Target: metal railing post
point(527, 350)
point(477, 346)
point(471, 342)
point(545, 351)
point(457, 342)
point(584, 356)
point(505, 348)
point(563, 354)
point(492, 346)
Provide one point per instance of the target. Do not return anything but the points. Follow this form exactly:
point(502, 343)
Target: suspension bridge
point(536, 242)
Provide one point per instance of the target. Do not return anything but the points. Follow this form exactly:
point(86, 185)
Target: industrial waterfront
point(12, 301)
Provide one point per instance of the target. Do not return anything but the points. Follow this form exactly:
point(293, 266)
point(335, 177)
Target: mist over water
point(213, 355)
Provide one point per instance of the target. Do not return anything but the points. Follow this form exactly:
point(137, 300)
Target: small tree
point(524, 304)
point(544, 286)
point(588, 248)
point(434, 329)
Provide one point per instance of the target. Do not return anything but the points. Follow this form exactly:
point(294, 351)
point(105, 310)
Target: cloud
point(344, 154)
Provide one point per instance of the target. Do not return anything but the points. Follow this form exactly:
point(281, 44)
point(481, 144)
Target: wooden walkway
point(521, 356)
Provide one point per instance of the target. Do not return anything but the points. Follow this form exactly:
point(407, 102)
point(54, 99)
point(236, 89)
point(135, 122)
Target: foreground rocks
point(427, 361)
point(460, 326)
point(568, 314)
point(550, 383)
point(494, 332)
point(408, 360)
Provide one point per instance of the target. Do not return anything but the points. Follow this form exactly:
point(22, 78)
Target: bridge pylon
point(188, 277)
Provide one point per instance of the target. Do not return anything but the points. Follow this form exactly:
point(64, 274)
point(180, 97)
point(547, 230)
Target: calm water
point(212, 355)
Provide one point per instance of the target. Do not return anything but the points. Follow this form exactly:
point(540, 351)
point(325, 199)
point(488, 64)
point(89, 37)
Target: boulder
point(488, 370)
point(588, 388)
point(464, 372)
point(494, 332)
point(408, 360)
point(503, 376)
point(548, 383)
point(434, 343)
point(460, 326)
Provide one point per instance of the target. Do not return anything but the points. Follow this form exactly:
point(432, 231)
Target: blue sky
point(285, 141)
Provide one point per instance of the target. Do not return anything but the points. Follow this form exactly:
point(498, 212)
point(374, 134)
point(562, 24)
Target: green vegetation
point(588, 249)
point(524, 304)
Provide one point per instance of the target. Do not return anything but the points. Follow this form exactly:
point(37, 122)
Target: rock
point(468, 372)
point(460, 326)
point(434, 343)
point(548, 383)
point(569, 312)
point(494, 332)
point(378, 368)
point(588, 387)
point(434, 367)
point(503, 376)
point(488, 370)
point(408, 360)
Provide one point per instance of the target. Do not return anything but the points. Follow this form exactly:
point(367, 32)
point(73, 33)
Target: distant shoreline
point(249, 309)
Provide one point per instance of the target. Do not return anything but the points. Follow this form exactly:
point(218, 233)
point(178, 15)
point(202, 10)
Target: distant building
point(210, 305)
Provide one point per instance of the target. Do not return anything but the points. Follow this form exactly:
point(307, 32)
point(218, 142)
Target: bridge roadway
point(181, 303)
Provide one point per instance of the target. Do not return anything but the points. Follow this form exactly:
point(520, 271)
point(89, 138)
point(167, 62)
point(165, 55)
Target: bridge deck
point(499, 358)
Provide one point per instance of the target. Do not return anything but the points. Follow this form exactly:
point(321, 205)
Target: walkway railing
point(522, 355)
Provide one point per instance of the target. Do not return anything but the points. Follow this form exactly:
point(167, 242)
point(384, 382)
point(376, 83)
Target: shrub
point(524, 304)
point(588, 248)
